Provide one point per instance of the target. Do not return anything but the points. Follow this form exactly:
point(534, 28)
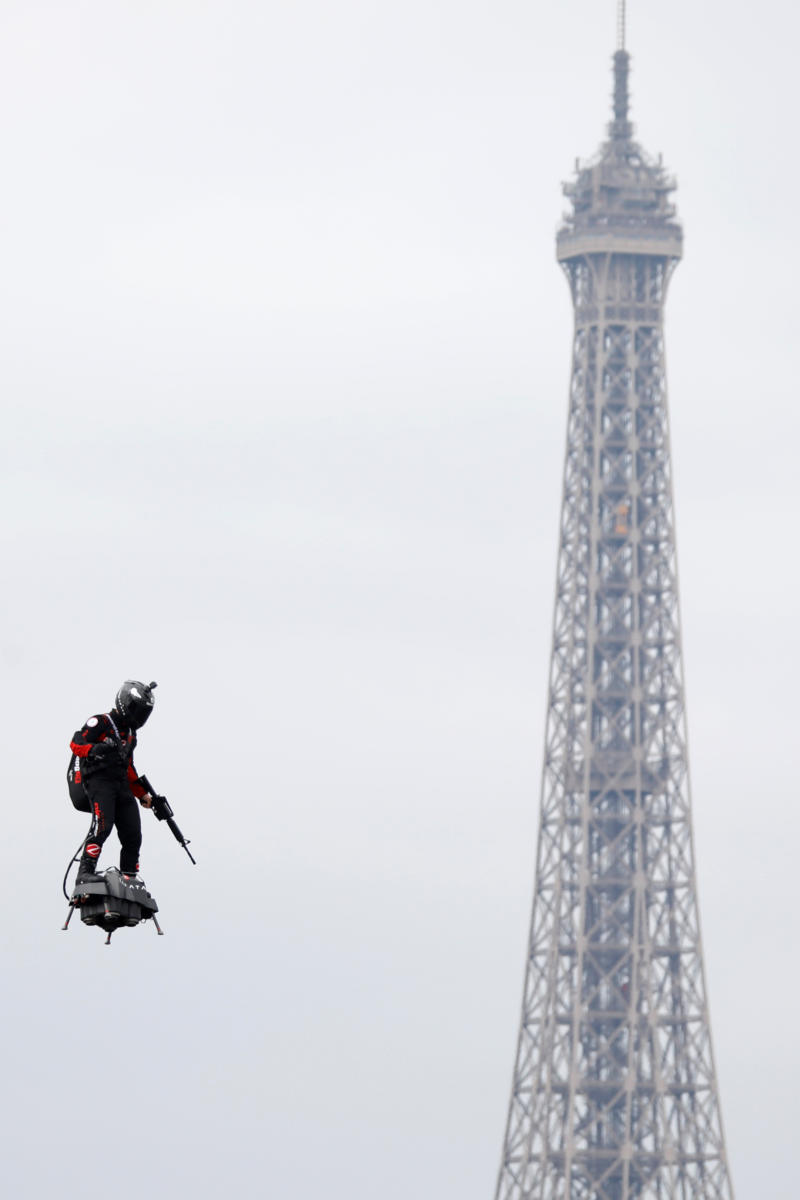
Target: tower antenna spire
point(620, 127)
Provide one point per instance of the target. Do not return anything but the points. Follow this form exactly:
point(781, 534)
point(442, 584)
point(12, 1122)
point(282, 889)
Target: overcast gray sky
point(285, 355)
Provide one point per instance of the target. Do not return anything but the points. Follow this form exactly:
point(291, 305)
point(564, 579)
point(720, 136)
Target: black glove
point(106, 754)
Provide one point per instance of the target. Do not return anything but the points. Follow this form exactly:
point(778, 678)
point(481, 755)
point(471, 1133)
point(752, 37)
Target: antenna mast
point(620, 128)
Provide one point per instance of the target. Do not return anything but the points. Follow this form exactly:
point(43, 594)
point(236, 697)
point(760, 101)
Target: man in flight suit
point(103, 780)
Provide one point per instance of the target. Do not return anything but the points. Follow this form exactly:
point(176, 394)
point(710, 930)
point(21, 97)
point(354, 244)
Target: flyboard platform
point(112, 901)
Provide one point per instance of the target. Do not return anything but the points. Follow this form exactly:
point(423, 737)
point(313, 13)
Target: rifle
point(163, 811)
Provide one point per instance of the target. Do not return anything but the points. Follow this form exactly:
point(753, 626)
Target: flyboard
point(113, 900)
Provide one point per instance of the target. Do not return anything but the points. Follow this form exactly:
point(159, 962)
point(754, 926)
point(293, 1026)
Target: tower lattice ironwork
point(614, 1093)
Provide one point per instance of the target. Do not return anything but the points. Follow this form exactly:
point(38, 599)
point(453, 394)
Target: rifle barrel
point(176, 833)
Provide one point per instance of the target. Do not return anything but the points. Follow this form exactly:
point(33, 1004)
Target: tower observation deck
point(614, 1093)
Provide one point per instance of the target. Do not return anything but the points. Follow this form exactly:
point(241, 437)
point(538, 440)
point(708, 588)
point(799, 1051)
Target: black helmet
point(135, 702)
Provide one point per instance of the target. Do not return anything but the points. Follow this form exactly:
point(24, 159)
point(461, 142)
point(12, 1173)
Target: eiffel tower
point(614, 1092)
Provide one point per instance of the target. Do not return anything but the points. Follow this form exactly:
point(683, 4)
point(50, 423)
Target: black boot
point(87, 866)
